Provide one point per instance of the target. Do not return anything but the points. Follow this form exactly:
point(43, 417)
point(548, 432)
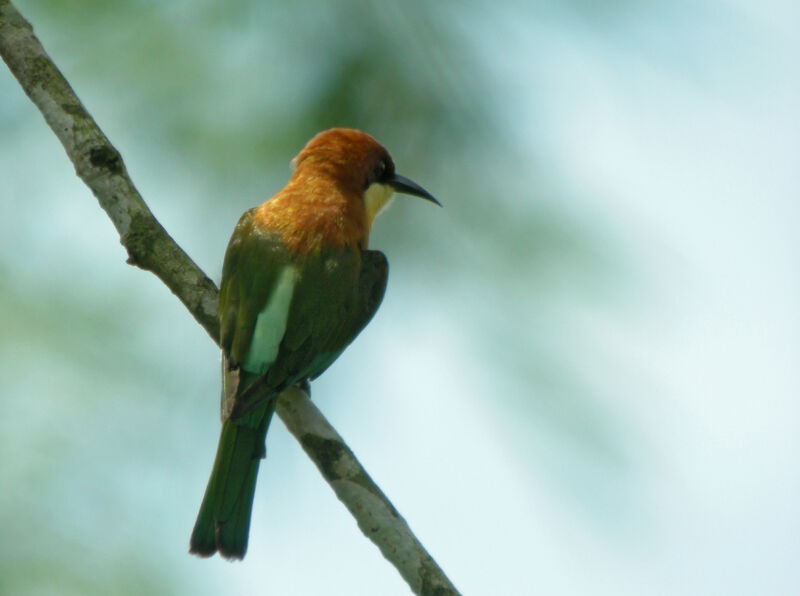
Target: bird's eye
point(378, 173)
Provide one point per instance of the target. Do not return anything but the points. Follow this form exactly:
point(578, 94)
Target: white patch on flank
point(271, 323)
point(376, 199)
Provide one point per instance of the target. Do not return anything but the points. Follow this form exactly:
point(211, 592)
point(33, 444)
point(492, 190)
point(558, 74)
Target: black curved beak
point(409, 187)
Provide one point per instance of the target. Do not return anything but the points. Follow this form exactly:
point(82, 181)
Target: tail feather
point(223, 523)
point(232, 535)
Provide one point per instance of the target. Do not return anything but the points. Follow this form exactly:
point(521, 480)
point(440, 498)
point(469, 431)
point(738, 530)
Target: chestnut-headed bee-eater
point(298, 285)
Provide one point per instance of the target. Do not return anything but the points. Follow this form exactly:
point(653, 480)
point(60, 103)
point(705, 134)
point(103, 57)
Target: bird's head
point(360, 167)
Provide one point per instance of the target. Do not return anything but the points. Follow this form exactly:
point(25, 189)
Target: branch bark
point(150, 247)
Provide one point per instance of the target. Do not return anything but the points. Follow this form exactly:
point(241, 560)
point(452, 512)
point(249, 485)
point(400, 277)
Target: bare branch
point(149, 247)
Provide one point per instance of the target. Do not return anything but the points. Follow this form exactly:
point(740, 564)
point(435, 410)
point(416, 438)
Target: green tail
point(223, 523)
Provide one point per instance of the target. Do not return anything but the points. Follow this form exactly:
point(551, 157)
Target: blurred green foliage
point(223, 94)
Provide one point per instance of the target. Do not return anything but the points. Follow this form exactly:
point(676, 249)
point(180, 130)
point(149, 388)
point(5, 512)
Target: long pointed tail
point(223, 523)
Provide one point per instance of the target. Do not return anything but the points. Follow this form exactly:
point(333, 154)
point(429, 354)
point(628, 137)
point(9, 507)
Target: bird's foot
point(304, 386)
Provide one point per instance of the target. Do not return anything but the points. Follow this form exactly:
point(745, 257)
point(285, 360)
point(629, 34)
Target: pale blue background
point(584, 376)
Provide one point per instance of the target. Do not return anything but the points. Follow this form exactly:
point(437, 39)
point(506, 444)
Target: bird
point(299, 283)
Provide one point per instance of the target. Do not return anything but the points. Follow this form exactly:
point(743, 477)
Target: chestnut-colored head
point(342, 179)
point(359, 164)
point(352, 157)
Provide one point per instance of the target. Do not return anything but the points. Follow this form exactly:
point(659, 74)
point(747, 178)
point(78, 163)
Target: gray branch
point(150, 247)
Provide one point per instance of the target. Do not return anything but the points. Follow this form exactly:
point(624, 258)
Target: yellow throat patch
point(376, 198)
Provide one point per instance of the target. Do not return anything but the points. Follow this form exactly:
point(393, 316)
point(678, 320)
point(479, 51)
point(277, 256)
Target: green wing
point(335, 297)
point(283, 319)
point(371, 287)
point(332, 296)
point(253, 263)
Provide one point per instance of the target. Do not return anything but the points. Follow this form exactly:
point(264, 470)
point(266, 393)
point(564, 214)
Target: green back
point(335, 295)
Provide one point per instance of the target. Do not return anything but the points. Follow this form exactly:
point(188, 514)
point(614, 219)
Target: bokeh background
point(584, 376)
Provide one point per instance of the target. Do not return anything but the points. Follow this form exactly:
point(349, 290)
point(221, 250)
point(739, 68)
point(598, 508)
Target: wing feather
point(333, 297)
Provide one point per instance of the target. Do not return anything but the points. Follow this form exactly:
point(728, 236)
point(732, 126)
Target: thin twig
point(149, 247)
